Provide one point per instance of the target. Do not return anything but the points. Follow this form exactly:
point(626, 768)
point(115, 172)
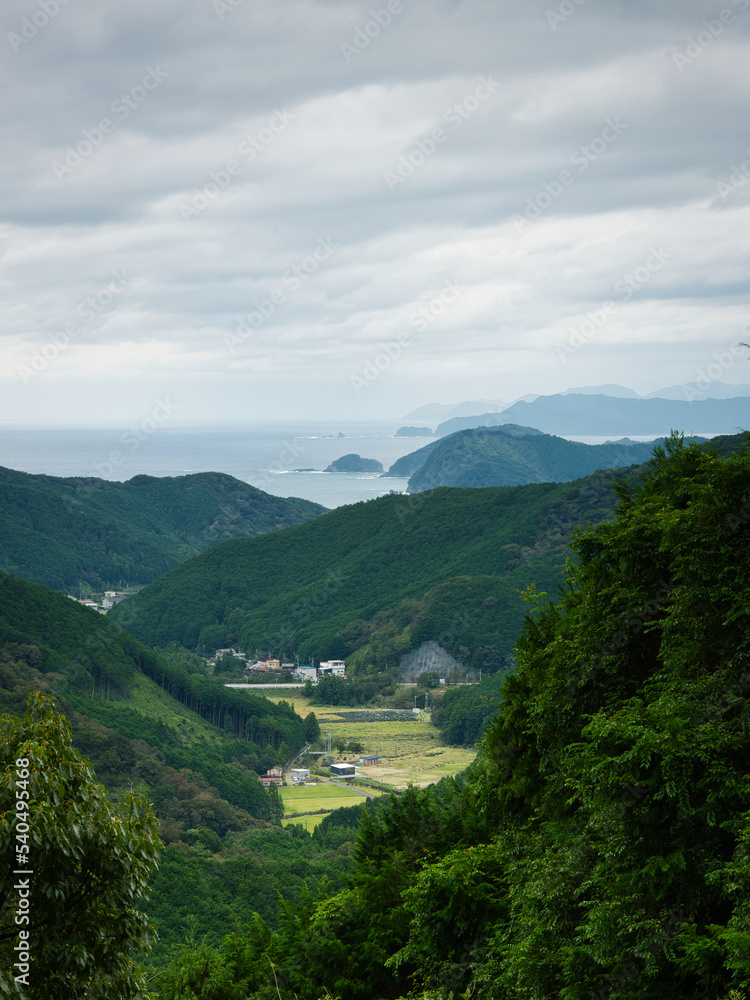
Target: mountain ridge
point(83, 531)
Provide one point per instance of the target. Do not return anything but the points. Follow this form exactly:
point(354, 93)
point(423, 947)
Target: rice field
point(322, 795)
point(410, 751)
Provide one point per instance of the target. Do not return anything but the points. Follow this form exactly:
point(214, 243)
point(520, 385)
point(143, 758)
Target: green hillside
point(599, 846)
point(67, 533)
point(139, 713)
point(377, 578)
point(156, 723)
point(502, 456)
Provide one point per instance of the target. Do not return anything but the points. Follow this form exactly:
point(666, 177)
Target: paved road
point(344, 784)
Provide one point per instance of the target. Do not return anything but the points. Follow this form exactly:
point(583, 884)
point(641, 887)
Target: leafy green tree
point(617, 768)
point(312, 727)
point(91, 861)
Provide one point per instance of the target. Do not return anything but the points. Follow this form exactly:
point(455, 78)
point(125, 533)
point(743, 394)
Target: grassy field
point(411, 751)
point(309, 822)
point(421, 768)
point(308, 799)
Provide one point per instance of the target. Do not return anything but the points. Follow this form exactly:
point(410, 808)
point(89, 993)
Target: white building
point(334, 668)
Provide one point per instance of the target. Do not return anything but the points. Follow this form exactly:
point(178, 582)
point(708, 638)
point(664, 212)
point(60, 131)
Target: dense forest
point(599, 846)
point(493, 456)
point(511, 455)
point(95, 534)
point(372, 581)
point(136, 711)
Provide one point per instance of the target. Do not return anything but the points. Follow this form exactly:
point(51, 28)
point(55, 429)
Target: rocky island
point(353, 463)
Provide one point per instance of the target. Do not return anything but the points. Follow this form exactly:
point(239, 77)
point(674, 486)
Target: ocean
point(265, 456)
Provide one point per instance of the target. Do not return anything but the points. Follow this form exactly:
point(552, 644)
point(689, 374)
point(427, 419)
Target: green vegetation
point(371, 581)
point(322, 795)
point(92, 533)
point(354, 463)
point(464, 712)
point(73, 866)
point(505, 456)
point(195, 745)
point(599, 845)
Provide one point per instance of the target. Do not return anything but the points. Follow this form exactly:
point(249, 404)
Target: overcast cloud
point(280, 208)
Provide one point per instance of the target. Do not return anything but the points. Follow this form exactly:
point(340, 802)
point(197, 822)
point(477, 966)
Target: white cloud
point(267, 86)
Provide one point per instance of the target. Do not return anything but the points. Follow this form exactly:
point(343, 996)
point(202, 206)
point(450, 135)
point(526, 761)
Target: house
point(307, 673)
point(109, 602)
point(333, 668)
point(300, 775)
point(370, 759)
point(345, 771)
point(273, 776)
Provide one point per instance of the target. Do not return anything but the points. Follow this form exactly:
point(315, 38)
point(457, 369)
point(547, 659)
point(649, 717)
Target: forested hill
point(378, 578)
point(93, 532)
point(499, 456)
point(143, 716)
point(599, 846)
point(409, 464)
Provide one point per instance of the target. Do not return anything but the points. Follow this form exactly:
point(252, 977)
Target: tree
point(617, 768)
point(312, 728)
point(88, 859)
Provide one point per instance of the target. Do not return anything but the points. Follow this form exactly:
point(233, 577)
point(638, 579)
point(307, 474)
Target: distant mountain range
point(85, 531)
point(582, 414)
point(439, 413)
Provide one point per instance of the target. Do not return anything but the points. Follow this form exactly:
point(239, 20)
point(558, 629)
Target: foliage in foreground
point(90, 862)
point(601, 846)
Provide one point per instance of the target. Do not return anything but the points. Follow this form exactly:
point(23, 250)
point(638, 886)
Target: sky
point(264, 209)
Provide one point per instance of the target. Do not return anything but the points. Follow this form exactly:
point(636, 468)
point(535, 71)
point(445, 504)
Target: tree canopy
point(88, 862)
point(600, 845)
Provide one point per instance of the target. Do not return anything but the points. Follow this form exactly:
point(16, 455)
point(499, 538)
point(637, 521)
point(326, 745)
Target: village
point(326, 668)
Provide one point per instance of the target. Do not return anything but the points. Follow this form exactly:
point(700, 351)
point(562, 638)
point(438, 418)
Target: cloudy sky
point(284, 208)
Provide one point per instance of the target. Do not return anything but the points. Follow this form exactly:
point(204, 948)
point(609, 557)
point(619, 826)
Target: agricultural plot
point(322, 795)
point(411, 751)
point(421, 768)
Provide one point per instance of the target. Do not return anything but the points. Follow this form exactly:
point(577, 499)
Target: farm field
point(308, 799)
point(411, 750)
point(421, 768)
